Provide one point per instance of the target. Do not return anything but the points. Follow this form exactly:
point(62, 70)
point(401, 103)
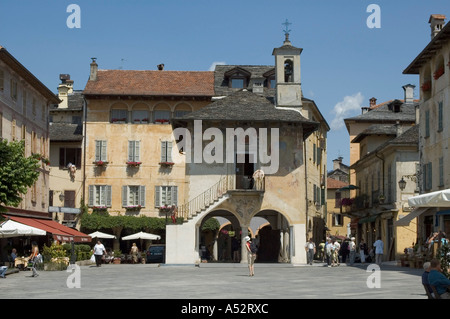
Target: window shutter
point(98, 150)
point(137, 145)
point(142, 196)
point(174, 195)
point(169, 152)
point(163, 152)
point(108, 195)
point(104, 157)
point(91, 195)
point(124, 196)
point(430, 176)
point(130, 151)
point(157, 196)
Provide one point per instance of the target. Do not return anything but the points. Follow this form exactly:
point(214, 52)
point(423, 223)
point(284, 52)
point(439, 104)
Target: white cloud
point(213, 65)
point(343, 109)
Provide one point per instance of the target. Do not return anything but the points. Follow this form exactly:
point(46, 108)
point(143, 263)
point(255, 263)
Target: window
point(100, 151)
point(119, 116)
point(337, 201)
point(13, 89)
point(69, 199)
point(166, 196)
point(441, 171)
point(100, 195)
point(162, 116)
point(427, 176)
point(237, 83)
point(288, 71)
point(181, 113)
point(166, 152)
point(24, 102)
point(440, 116)
point(133, 196)
point(337, 220)
point(140, 116)
point(427, 123)
point(69, 155)
point(133, 151)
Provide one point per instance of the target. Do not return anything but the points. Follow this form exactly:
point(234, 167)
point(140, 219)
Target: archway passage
point(221, 237)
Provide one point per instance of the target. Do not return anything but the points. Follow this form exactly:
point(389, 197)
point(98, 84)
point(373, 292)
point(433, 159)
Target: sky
point(352, 50)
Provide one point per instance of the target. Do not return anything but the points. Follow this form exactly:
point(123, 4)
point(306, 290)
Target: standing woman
point(34, 258)
point(251, 256)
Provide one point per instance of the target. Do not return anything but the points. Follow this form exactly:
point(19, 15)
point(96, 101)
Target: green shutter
point(124, 196)
point(91, 195)
point(157, 196)
point(108, 195)
point(142, 196)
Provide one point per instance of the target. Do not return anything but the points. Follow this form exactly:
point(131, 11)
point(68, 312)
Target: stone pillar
point(244, 229)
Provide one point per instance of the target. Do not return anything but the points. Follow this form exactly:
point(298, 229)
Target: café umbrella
point(11, 228)
point(142, 235)
point(99, 234)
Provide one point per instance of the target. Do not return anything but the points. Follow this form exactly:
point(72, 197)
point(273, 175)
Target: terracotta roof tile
point(152, 83)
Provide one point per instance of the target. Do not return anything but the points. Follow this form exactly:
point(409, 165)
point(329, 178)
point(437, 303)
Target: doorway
point(244, 171)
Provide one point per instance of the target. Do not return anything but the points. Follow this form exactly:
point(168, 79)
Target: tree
point(17, 172)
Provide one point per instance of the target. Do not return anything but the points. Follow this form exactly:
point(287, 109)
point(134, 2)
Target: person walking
point(99, 251)
point(328, 251)
point(352, 248)
point(335, 259)
point(134, 253)
point(310, 248)
point(379, 249)
point(34, 258)
point(251, 255)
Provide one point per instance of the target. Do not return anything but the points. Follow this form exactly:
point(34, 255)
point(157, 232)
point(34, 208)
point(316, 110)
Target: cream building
point(432, 65)
point(24, 105)
point(66, 154)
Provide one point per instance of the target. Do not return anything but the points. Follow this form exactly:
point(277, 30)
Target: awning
point(434, 199)
point(59, 232)
point(98, 234)
point(404, 221)
point(11, 228)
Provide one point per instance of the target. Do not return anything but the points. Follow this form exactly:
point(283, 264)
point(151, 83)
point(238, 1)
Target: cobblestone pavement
point(219, 281)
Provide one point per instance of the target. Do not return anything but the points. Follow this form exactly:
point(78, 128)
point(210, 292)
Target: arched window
point(119, 113)
point(288, 71)
point(140, 114)
point(161, 113)
point(182, 109)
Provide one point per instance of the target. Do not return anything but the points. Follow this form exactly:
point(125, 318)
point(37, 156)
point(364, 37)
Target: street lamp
point(402, 184)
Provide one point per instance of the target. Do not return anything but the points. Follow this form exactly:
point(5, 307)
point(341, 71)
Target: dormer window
point(270, 81)
point(237, 78)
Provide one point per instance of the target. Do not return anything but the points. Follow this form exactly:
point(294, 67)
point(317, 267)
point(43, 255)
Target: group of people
point(34, 258)
point(99, 251)
point(433, 276)
point(334, 252)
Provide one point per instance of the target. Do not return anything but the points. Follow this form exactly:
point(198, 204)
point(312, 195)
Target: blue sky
point(344, 62)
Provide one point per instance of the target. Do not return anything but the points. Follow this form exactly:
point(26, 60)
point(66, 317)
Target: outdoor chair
point(436, 295)
point(430, 296)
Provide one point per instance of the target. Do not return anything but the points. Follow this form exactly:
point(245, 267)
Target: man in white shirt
point(99, 250)
point(352, 248)
point(379, 248)
point(310, 248)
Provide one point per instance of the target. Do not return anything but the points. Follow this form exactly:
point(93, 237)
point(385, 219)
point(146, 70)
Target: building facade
point(432, 65)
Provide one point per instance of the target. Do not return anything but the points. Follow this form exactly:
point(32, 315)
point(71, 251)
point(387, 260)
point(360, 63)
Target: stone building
point(258, 121)
point(66, 154)
point(432, 65)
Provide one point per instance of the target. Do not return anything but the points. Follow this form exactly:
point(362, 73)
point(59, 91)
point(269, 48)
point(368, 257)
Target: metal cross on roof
point(286, 27)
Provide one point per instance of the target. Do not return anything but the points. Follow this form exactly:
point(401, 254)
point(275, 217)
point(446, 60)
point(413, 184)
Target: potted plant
point(117, 256)
point(166, 164)
point(100, 163)
point(133, 163)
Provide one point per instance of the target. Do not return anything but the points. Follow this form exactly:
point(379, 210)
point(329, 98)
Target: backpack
point(253, 247)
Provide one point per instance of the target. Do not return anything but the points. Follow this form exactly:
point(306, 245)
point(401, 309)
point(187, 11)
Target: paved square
point(216, 281)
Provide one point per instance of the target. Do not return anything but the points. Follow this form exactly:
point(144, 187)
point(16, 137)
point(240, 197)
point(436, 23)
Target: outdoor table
point(18, 261)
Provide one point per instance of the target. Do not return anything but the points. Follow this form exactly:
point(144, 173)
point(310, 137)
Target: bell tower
point(287, 73)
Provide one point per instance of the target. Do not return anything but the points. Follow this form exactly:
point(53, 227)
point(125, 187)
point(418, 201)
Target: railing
point(208, 197)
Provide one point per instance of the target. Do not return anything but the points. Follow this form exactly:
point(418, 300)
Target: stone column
point(244, 229)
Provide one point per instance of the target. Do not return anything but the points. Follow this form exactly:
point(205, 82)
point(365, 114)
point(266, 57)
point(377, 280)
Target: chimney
point(160, 67)
point(94, 68)
point(399, 128)
point(373, 102)
point(409, 93)
point(64, 89)
point(257, 86)
point(337, 163)
point(364, 109)
point(436, 22)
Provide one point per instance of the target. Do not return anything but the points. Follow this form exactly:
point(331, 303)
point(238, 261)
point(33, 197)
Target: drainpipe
point(84, 148)
point(306, 189)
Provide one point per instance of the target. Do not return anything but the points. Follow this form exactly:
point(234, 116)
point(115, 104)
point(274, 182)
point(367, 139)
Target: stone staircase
point(209, 199)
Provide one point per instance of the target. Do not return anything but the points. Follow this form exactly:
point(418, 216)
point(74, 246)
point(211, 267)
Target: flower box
point(166, 208)
point(134, 164)
point(133, 207)
point(439, 72)
point(166, 164)
point(121, 120)
point(162, 121)
point(100, 163)
point(426, 86)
